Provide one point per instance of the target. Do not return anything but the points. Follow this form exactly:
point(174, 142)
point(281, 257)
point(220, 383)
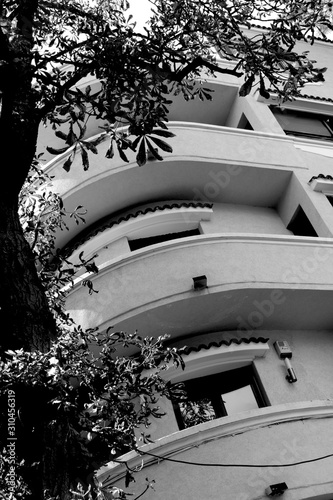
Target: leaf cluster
point(63, 43)
point(42, 213)
point(101, 398)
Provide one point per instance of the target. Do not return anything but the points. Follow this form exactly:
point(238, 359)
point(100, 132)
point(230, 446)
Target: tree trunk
point(61, 461)
point(25, 319)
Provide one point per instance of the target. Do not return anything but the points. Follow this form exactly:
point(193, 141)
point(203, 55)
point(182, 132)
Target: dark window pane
point(152, 240)
point(298, 123)
point(330, 199)
point(215, 396)
point(300, 224)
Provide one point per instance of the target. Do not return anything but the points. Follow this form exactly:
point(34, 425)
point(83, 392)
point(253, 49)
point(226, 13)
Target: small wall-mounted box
point(199, 282)
point(276, 489)
point(283, 349)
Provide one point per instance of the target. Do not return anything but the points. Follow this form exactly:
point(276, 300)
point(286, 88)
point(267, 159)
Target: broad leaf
point(161, 144)
point(163, 133)
point(55, 151)
point(247, 86)
point(141, 157)
point(153, 151)
point(85, 158)
point(122, 154)
point(68, 163)
point(110, 152)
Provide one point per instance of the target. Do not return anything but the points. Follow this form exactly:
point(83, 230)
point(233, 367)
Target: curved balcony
point(254, 281)
point(209, 163)
point(254, 437)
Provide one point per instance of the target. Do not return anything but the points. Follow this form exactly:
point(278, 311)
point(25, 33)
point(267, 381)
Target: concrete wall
point(291, 439)
point(312, 362)
point(226, 218)
point(321, 53)
point(256, 179)
point(280, 444)
point(230, 263)
point(231, 218)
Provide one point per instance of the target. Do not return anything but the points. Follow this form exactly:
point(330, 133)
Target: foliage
point(103, 398)
point(42, 214)
point(139, 72)
point(101, 387)
point(196, 412)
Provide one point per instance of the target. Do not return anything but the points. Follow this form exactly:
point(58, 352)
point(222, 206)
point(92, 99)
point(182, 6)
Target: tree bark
point(61, 468)
point(25, 319)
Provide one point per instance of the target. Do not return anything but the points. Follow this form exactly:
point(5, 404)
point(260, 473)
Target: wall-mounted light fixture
point(276, 489)
point(285, 353)
point(199, 282)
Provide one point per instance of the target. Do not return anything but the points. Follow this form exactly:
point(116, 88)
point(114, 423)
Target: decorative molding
point(322, 183)
point(143, 222)
point(219, 357)
point(238, 341)
point(306, 103)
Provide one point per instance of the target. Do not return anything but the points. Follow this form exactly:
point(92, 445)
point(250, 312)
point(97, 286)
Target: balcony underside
point(237, 310)
point(209, 164)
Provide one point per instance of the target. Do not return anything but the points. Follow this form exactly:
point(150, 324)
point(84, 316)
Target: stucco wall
point(290, 440)
point(312, 362)
point(231, 218)
point(321, 53)
point(225, 218)
point(229, 264)
point(287, 442)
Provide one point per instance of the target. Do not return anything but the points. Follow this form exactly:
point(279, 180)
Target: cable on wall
point(235, 465)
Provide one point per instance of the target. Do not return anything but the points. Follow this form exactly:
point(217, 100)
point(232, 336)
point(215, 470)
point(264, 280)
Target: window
point(214, 396)
point(330, 198)
point(302, 124)
point(300, 224)
point(151, 240)
point(244, 123)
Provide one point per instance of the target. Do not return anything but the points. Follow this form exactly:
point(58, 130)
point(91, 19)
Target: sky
point(140, 11)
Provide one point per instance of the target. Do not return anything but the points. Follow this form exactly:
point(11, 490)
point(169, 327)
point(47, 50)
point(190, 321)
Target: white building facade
point(227, 246)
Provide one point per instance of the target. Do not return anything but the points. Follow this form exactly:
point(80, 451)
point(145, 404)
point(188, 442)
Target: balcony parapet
point(243, 271)
point(231, 133)
point(218, 238)
point(226, 426)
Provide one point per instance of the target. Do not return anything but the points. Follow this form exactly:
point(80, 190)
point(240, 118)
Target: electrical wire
point(235, 465)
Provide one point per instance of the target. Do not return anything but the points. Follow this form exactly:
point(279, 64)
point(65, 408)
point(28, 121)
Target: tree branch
point(200, 62)
point(62, 89)
point(56, 57)
point(68, 8)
